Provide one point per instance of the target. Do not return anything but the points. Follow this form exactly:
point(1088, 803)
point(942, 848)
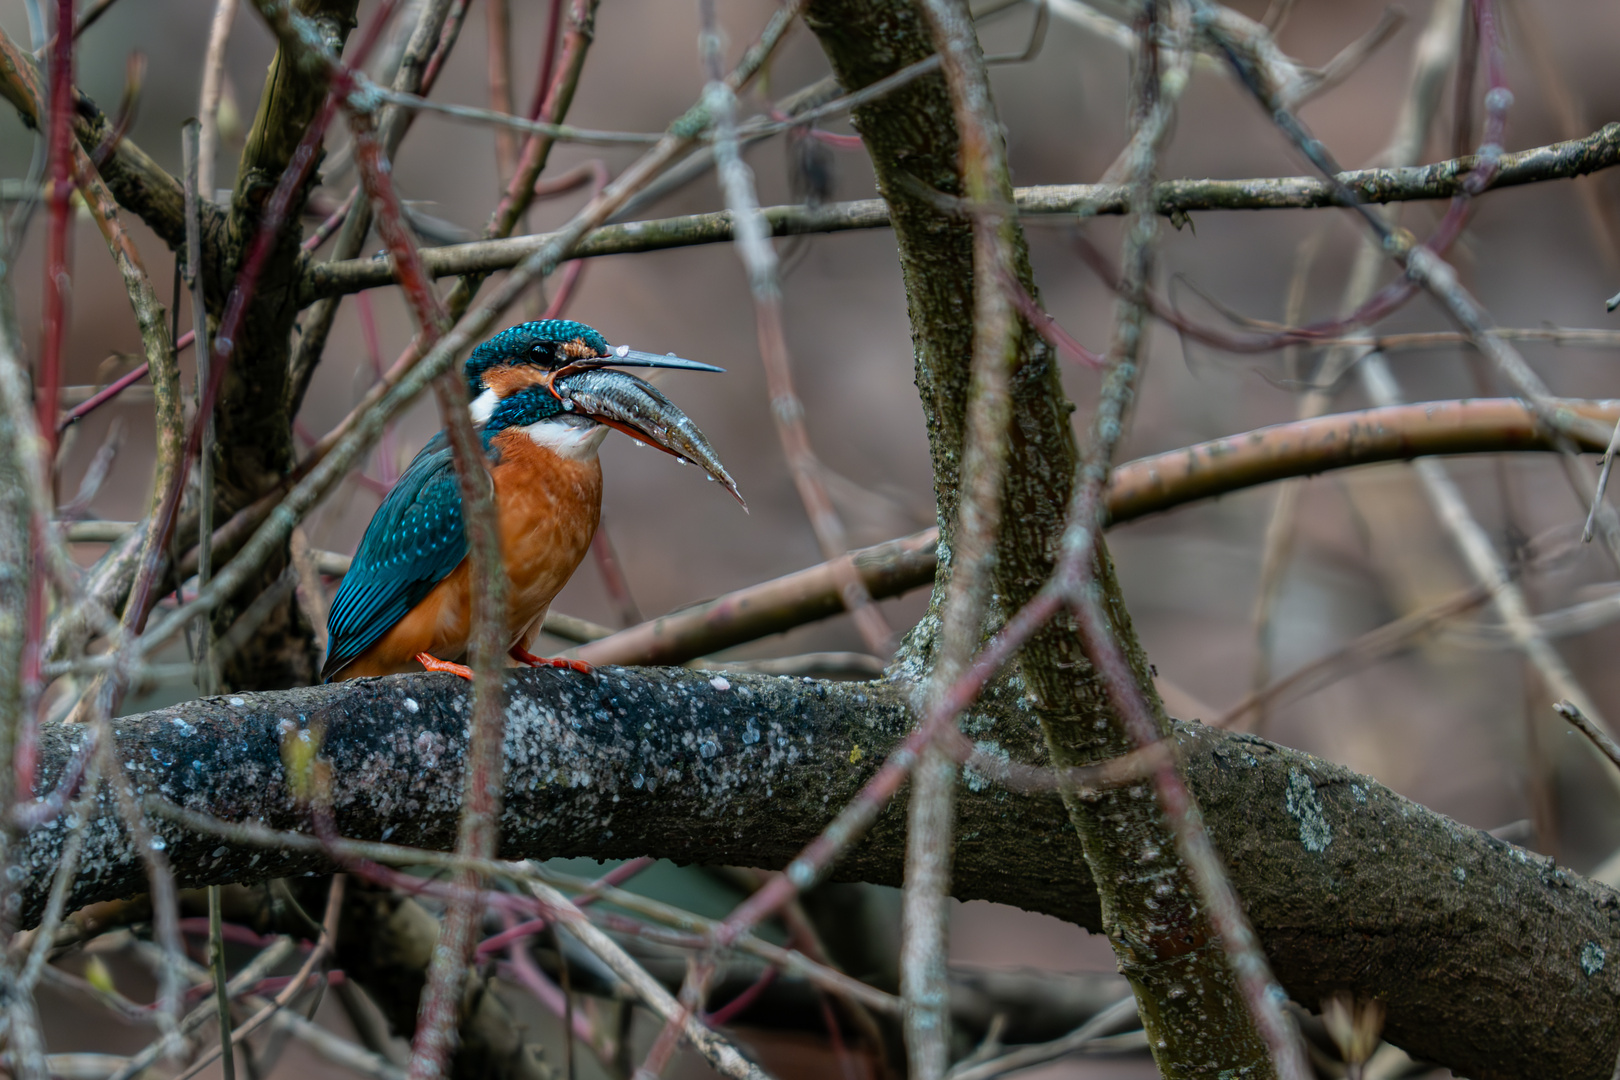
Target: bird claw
point(524, 656)
point(433, 663)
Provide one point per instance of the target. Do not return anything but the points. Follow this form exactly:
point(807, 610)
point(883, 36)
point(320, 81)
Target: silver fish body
point(640, 410)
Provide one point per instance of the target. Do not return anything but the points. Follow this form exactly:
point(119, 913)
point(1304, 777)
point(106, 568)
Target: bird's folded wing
point(415, 540)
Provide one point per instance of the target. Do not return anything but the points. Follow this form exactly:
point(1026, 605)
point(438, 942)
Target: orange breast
point(549, 507)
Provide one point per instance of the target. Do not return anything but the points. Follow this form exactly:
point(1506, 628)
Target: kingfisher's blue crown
point(538, 343)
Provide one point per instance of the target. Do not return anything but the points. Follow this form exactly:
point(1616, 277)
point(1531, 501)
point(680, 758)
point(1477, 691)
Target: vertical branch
point(222, 993)
point(196, 171)
point(987, 185)
point(1142, 724)
point(759, 258)
point(18, 578)
point(205, 470)
point(60, 144)
point(481, 802)
point(498, 23)
point(219, 34)
point(410, 78)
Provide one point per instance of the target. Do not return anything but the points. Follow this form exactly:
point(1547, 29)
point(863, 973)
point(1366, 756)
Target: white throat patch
point(567, 437)
point(483, 406)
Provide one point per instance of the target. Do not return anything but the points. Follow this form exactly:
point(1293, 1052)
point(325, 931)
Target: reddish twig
point(498, 29)
point(60, 149)
point(333, 222)
point(1047, 326)
point(589, 895)
point(612, 574)
point(734, 1008)
point(699, 970)
point(527, 974)
point(59, 141)
point(544, 92)
point(118, 386)
point(386, 469)
point(479, 828)
point(447, 40)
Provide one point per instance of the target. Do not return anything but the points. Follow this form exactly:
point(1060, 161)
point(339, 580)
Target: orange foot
point(433, 663)
point(524, 656)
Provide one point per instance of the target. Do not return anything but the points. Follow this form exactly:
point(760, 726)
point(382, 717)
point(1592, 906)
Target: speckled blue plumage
point(517, 344)
point(416, 538)
point(413, 542)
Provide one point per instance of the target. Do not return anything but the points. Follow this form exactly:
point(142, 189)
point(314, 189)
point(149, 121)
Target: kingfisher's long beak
point(625, 356)
point(637, 408)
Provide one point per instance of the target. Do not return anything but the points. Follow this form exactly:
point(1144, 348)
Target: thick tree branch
point(253, 420)
point(666, 762)
point(1442, 180)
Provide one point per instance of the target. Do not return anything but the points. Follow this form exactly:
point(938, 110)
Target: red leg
point(433, 663)
point(524, 656)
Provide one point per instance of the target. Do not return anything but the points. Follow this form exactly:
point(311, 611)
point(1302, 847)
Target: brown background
point(1445, 723)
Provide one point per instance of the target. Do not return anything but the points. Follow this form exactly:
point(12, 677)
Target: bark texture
point(1492, 961)
point(1196, 1021)
point(254, 449)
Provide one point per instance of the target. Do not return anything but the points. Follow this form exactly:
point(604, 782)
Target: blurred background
point(1452, 719)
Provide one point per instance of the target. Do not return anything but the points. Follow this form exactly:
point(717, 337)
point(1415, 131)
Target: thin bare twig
point(1442, 180)
point(1602, 483)
point(716, 1050)
point(213, 85)
point(323, 948)
point(1600, 738)
point(59, 148)
point(986, 183)
point(759, 259)
point(1075, 579)
point(1117, 1014)
point(498, 30)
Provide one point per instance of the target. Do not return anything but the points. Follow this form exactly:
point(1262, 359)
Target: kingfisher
point(544, 394)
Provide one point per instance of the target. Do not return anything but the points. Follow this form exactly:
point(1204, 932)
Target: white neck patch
point(568, 437)
point(483, 406)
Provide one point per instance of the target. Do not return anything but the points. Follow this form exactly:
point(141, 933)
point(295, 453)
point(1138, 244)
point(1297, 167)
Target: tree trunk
point(1197, 1023)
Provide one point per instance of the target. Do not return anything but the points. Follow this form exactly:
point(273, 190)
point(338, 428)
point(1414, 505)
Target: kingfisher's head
point(554, 382)
point(519, 355)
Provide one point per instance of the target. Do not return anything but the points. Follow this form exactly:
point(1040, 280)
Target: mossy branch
point(1349, 885)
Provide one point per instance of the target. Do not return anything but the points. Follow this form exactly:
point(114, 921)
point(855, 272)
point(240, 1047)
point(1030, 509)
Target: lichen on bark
point(662, 761)
point(1197, 1023)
